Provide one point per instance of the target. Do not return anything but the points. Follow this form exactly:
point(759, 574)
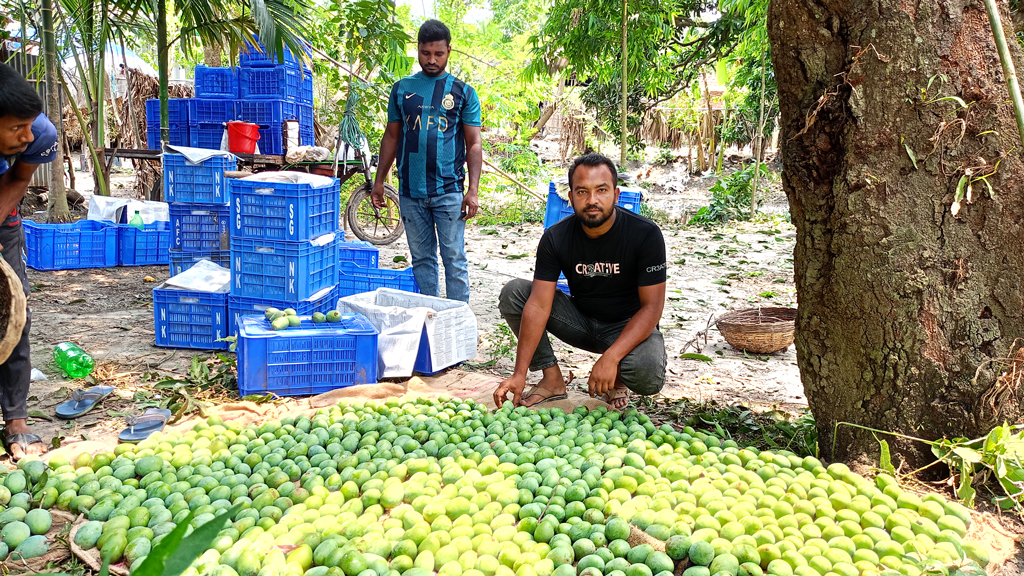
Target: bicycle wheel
point(378, 226)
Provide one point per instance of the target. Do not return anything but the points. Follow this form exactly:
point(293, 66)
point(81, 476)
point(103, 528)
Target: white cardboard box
point(417, 333)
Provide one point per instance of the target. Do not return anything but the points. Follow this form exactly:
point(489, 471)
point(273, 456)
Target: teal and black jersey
point(431, 153)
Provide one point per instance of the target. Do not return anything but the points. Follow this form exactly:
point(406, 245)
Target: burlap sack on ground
point(57, 553)
point(91, 557)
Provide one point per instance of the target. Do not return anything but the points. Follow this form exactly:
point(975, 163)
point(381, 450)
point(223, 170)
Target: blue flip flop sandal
point(82, 401)
point(140, 427)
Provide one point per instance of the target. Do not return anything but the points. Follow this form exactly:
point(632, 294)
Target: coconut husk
point(57, 553)
point(91, 557)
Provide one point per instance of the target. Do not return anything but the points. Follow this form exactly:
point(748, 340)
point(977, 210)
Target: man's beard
point(594, 220)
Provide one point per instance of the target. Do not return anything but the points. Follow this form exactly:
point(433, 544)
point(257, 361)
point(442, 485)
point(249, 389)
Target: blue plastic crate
point(254, 55)
point(210, 111)
point(630, 199)
point(200, 227)
point(179, 136)
point(180, 260)
point(355, 279)
point(360, 253)
point(82, 244)
point(271, 139)
point(306, 116)
point(308, 359)
point(563, 286)
point(283, 211)
point(306, 89)
point(177, 112)
point(208, 135)
point(216, 82)
point(281, 270)
point(197, 183)
point(238, 306)
point(307, 137)
point(144, 247)
point(268, 111)
point(276, 83)
point(187, 319)
point(557, 209)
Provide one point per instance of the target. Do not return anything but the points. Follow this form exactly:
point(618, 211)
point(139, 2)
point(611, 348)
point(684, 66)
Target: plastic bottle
point(136, 221)
point(74, 361)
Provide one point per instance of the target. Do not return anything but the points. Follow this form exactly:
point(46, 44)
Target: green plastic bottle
point(136, 221)
point(74, 361)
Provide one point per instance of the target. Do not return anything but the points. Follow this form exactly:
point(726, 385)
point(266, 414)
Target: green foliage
point(669, 44)
point(175, 552)
point(182, 395)
point(772, 430)
point(665, 155)
point(375, 40)
point(730, 197)
point(999, 454)
point(501, 201)
point(500, 343)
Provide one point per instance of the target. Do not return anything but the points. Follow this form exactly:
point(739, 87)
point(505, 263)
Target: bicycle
point(378, 226)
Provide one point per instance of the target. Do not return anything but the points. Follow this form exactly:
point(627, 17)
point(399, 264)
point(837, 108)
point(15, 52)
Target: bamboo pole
point(514, 181)
point(758, 148)
point(1008, 68)
point(624, 142)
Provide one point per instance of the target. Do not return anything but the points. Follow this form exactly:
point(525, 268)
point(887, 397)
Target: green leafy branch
point(999, 454)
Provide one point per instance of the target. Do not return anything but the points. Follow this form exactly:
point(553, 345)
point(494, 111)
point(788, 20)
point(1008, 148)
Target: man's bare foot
point(550, 387)
point(618, 396)
point(20, 426)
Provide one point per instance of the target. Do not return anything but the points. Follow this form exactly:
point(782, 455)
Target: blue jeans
point(433, 221)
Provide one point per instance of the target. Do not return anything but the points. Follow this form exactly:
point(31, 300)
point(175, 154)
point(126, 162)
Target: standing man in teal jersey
point(434, 132)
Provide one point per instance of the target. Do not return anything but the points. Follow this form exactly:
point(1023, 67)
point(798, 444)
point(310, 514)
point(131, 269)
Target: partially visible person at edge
point(27, 139)
point(434, 131)
point(614, 262)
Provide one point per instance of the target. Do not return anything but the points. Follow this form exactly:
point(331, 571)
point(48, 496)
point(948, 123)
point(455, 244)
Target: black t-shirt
point(604, 273)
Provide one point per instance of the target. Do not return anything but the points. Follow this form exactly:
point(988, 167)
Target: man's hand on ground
point(470, 204)
point(377, 195)
point(602, 377)
point(515, 385)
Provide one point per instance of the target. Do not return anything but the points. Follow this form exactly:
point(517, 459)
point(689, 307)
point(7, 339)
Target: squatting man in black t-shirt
point(614, 262)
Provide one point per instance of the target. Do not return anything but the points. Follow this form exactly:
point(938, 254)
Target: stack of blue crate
point(198, 204)
point(216, 102)
point(271, 93)
point(284, 251)
point(177, 122)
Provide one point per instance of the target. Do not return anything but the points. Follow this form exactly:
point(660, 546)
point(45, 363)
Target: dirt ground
point(109, 313)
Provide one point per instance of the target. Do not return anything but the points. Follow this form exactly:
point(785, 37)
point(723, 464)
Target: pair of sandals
point(139, 427)
point(81, 402)
point(613, 395)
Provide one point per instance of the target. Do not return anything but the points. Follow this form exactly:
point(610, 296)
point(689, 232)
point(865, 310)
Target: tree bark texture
point(900, 301)
point(57, 202)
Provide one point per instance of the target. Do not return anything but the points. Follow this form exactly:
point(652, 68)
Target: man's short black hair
point(17, 97)
point(594, 159)
point(434, 31)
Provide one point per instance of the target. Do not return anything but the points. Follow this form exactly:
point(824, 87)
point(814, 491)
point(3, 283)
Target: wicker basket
point(759, 330)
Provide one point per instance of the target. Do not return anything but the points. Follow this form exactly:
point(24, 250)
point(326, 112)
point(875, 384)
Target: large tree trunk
point(57, 203)
point(900, 299)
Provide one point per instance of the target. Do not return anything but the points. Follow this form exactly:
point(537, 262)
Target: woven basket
point(759, 330)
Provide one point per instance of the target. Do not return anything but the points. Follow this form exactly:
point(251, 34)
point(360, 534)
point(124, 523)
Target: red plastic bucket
point(242, 137)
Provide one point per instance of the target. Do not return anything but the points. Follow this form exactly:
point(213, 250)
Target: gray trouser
point(16, 372)
point(642, 370)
